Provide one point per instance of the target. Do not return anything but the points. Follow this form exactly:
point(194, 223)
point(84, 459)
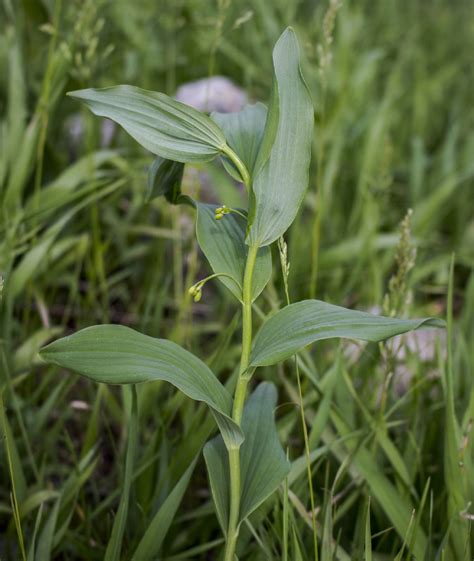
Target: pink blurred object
point(212, 94)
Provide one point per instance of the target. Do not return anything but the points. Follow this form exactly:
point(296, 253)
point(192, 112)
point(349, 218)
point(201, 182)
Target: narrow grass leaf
point(17, 475)
point(397, 507)
point(457, 498)
point(368, 535)
point(300, 324)
point(45, 542)
point(151, 542)
point(114, 545)
point(327, 549)
point(28, 350)
point(32, 548)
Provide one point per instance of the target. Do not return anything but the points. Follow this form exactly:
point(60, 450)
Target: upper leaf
point(166, 127)
point(298, 325)
point(262, 460)
point(223, 243)
point(115, 354)
point(283, 162)
point(244, 132)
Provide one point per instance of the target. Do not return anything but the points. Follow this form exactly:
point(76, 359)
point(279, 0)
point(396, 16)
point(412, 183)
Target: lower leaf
point(115, 354)
point(263, 462)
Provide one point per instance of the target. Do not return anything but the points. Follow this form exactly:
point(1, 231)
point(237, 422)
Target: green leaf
point(115, 354)
point(151, 542)
point(114, 545)
point(368, 534)
point(243, 131)
point(166, 127)
point(24, 356)
point(217, 462)
point(223, 244)
point(164, 178)
point(263, 463)
point(397, 506)
point(305, 322)
point(283, 162)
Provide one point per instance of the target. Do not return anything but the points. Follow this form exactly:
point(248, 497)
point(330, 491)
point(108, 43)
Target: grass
point(390, 439)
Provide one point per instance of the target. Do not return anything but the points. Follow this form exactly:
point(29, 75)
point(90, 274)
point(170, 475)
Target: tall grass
point(389, 434)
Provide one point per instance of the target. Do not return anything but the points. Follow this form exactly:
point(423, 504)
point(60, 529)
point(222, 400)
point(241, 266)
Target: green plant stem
point(239, 401)
point(244, 174)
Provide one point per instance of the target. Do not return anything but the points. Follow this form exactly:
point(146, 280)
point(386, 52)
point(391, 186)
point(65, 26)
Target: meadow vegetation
point(377, 436)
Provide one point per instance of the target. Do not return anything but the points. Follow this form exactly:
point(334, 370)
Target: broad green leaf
point(151, 542)
point(282, 172)
point(263, 463)
point(115, 354)
point(166, 127)
point(223, 244)
point(298, 325)
point(217, 462)
point(243, 131)
point(164, 178)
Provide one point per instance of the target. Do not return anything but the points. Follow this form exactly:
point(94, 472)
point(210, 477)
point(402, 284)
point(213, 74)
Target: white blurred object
point(75, 130)
point(212, 94)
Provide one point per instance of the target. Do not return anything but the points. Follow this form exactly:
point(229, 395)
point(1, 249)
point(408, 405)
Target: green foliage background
point(392, 88)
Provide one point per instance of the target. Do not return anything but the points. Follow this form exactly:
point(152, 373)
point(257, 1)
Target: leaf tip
point(75, 94)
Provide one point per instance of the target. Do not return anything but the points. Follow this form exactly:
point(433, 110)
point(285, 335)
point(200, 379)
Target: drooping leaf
point(164, 179)
point(223, 244)
point(243, 131)
point(115, 354)
point(305, 322)
point(283, 162)
point(166, 127)
point(262, 460)
point(150, 544)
